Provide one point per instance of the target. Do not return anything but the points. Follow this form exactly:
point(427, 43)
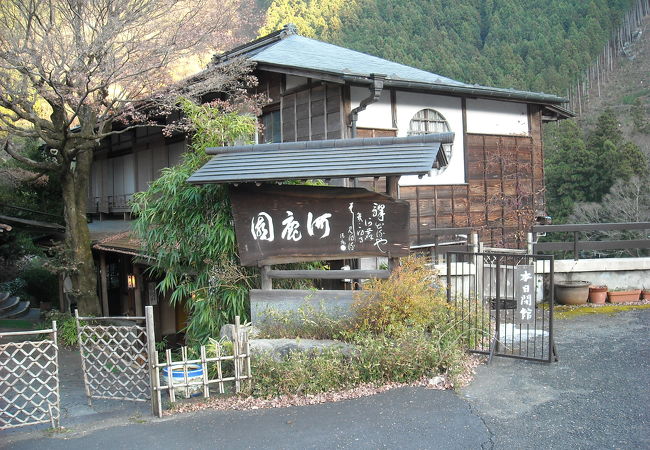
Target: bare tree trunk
point(74, 182)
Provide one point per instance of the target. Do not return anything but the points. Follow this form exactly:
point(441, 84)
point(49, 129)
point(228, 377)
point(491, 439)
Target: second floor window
point(427, 121)
point(271, 127)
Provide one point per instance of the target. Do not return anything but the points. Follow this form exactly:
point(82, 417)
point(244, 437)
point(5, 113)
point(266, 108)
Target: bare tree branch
point(22, 158)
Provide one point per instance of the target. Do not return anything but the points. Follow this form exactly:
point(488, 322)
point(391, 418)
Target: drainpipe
point(376, 87)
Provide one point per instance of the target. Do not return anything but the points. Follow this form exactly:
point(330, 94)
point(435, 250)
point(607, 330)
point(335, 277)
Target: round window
point(427, 121)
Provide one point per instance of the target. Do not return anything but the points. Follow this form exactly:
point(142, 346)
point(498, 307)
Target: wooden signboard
point(524, 277)
point(290, 223)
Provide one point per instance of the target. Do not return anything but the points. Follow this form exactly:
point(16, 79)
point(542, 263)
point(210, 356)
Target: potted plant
point(572, 292)
point(624, 295)
point(597, 294)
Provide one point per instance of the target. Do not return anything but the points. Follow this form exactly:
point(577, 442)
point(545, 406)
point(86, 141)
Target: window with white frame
point(427, 121)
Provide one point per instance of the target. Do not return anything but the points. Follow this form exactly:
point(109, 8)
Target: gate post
point(494, 347)
point(151, 349)
point(84, 369)
point(56, 422)
point(552, 354)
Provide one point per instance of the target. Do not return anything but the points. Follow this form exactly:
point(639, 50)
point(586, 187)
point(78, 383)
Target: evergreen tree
point(584, 170)
point(571, 169)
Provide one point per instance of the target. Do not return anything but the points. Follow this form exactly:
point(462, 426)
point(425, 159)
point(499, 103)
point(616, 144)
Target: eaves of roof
point(326, 159)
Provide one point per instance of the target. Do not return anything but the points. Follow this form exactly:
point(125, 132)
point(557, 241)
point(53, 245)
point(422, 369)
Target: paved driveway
point(597, 396)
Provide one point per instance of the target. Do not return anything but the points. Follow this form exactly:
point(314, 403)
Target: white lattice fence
point(29, 380)
point(115, 359)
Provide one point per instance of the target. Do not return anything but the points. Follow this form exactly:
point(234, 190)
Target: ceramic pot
point(632, 295)
point(645, 294)
point(597, 294)
point(572, 292)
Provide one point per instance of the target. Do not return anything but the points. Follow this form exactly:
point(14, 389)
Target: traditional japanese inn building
point(488, 174)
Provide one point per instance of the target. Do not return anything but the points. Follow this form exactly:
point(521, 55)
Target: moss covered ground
point(567, 312)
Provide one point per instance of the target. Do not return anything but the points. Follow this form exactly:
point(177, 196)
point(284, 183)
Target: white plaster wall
point(293, 81)
point(408, 104)
point(376, 115)
point(495, 117)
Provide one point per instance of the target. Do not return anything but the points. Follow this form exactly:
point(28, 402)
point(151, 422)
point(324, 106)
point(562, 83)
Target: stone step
point(4, 296)
point(9, 304)
point(20, 310)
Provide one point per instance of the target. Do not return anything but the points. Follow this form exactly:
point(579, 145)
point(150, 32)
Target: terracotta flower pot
point(597, 294)
point(632, 295)
point(572, 292)
point(645, 294)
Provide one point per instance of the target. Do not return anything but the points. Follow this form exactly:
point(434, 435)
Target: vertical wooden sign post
point(392, 190)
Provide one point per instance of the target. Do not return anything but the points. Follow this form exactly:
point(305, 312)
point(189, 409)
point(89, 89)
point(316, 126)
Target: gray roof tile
point(285, 48)
point(340, 158)
point(305, 53)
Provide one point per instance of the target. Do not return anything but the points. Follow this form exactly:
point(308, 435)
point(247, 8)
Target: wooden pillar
point(62, 303)
point(392, 190)
point(137, 292)
point(103, 274)
point(267, 282)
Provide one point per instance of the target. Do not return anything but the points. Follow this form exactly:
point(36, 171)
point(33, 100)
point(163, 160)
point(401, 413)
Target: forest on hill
point(523, 44)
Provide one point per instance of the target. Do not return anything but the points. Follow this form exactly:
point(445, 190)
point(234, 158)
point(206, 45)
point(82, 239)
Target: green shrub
point(14, 287)
point(41, 284)
point(307, 322)
point(301, 373)
point(402, 330)
point(410, 298)
point(66, 327)
point(376, 359)
point(408, 356)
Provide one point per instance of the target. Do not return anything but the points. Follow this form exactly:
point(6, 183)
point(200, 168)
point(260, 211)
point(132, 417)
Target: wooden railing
point(31, 213)
point(110, 204)
point(603, 234)
point(445, 240)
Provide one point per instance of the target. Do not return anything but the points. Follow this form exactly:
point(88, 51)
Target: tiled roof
point(338, 158)
point(286, 49)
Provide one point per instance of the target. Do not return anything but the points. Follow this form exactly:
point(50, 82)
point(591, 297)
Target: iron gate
point(29, 380)
point(116, 358)
point(504, 315)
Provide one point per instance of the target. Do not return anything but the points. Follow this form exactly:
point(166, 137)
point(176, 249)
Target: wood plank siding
point(504, 189)
point(126, 163)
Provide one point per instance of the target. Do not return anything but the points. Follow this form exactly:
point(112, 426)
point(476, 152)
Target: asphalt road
point(597, 396)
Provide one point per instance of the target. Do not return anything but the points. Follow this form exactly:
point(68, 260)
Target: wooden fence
point(196, 373)
point(29, 380)
point(601, 237)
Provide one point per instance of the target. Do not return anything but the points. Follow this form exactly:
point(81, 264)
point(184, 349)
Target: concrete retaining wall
point(615, 273)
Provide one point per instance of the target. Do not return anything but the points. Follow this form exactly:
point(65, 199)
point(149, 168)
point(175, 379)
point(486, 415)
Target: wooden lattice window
point(427, 121)
point(271, 127)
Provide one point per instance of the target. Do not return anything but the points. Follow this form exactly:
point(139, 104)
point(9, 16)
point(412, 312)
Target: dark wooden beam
point(326, 274)
point(49, 226)
point(103, 275)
